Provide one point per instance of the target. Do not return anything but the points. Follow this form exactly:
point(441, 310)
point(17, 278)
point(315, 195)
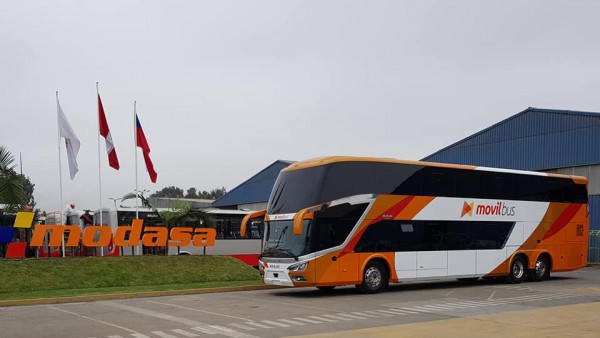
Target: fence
point(594, 252)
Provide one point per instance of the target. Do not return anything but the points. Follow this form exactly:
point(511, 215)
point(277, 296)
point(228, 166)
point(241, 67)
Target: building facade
point(253, 194)
point(547, 140)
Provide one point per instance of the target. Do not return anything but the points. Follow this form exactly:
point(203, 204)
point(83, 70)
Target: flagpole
point(60, 174)
point(136, 164)
point(99, 167)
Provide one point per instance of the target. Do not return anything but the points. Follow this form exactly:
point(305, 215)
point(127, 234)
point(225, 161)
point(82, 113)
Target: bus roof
point(320, 161)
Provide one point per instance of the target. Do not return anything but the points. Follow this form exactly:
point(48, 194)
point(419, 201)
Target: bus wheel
point(518, 270)
point(375, 278)
point(542, 269)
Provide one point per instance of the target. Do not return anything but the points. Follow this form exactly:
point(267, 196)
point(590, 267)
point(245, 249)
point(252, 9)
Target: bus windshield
point(329, 228)
point(282, 243)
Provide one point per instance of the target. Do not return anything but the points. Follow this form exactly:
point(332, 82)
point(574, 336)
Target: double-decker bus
point(370, 221)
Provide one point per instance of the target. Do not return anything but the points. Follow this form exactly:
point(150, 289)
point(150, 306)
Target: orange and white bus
point(373, 221)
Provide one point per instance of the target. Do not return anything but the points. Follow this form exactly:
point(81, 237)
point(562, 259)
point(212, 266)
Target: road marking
point(94, 320)
point(139, 335)
point(203, 330)
point(185, 333)
point(163, 334)
point(198, 310)
point(226, 329)
point(336, 317)
point(416, 308)
point(402, 312)
point(258, 325)
point(379, 314)
point(388, 312)
point(439, 307)
point(491, 297)
point(240, 326)
point(113, 337)
point(282, 303)
point(451, 306)
point(164, 316)
point(349, 315)
point(468, 304)
point(270, 322)
point(323, 319)
point(365, 314)
point(291, 322)
point(308, 320)
point(430, 307)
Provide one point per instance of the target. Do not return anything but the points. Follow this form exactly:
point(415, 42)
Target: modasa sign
point(151, 236)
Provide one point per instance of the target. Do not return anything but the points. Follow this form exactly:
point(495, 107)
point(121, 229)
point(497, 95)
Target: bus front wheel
point(375, 278)
point(518, 270)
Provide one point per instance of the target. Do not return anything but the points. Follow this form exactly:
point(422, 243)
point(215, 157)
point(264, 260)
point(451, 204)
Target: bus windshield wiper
point(275, 252)
point(289, 252)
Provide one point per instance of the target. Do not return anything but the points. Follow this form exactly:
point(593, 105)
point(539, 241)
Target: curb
point(110, 296)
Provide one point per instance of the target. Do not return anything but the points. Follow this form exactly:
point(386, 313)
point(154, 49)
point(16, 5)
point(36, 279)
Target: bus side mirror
point(248, 217)
point(300, 217)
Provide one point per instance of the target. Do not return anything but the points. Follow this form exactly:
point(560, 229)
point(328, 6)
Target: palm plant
point(181, 213)
point(12, 191)
point(145, 202)
point(175, 216)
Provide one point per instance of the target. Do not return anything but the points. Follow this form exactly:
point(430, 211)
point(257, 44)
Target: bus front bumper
point(276, 277)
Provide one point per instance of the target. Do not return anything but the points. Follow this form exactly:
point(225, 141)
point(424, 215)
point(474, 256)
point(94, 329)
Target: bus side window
point(438, 183)
point(499, 186)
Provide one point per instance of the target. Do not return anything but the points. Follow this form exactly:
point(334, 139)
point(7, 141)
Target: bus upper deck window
point(407, 227)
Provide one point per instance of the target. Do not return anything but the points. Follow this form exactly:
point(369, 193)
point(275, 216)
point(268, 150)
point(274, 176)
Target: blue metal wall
point(594, 205)
point(534, 139)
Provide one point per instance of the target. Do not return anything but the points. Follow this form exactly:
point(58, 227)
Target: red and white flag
point(143, 143)
point(113, 161)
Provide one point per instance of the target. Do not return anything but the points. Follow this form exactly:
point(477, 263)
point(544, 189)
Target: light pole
point(115, 201)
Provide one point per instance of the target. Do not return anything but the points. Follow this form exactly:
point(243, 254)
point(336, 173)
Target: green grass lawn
point(62, 277)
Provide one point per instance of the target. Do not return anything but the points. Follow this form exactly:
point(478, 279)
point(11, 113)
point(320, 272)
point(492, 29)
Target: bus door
point(332, 227)
point(335, 268)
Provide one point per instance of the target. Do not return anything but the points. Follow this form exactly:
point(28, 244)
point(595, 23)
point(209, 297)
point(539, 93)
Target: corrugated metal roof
point(534, 139)
point(256, 189)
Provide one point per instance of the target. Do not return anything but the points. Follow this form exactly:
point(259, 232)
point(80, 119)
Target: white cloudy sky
point(224, 88)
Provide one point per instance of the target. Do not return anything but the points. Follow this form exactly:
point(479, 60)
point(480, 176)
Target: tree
point(213, 194)
point(170, 192)
point(175, 192)
point(191, 193)
point(14, 188)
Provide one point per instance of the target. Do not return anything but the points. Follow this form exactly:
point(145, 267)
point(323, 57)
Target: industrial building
point(547, 140)
point(252, 194)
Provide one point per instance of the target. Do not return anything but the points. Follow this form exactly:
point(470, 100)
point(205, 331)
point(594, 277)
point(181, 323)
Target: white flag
point(71, 140)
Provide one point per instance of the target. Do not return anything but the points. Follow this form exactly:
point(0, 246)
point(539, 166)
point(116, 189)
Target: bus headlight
point(298, 266)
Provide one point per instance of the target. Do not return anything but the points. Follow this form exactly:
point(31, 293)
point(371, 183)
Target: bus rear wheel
point(518, 270)
point(541, 271)
point(375, 278)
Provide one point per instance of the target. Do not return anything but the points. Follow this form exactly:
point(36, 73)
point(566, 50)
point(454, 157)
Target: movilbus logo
point(498, 209)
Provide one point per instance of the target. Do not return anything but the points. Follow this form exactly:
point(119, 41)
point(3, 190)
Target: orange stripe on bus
point(389, 214)
point(563, 220)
